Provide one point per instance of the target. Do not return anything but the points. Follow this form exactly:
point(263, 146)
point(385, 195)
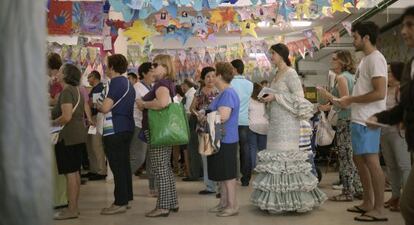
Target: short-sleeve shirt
point(229, 98)
point(123, 112)
point(244, 89)
point(151, 96)
point(97, 90)
point(73, 132)
point(344, 114)
point(140, 91)
point(371, 66)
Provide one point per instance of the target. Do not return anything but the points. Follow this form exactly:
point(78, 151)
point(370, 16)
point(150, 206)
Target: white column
point(25, 149)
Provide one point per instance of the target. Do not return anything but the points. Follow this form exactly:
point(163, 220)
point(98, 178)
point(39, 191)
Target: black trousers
point(245, 155)
point(117, 151)
point(196, 166)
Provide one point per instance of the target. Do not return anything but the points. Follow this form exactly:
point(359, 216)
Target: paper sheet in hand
point(92, 130)
point(266, 91)
point(95, 97)
point(55, 129)
point(373, 123)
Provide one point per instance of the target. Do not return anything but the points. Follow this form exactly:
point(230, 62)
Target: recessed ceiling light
point(300, 23)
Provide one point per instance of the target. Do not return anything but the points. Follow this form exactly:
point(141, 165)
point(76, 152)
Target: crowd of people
point(261, 126)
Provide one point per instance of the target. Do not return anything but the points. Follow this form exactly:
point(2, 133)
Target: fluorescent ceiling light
point(263, 24)
point(255, 55)
point(300, 23)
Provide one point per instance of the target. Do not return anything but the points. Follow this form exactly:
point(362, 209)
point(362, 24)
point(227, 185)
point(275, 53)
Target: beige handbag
point(205, 146)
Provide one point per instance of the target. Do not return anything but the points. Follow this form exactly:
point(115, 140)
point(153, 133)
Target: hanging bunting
point(348, 27)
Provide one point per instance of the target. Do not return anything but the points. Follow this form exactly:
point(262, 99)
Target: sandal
point(369, 218)
point(356, 209)
point(342, 198)
point(395, 206)
point(390, 202)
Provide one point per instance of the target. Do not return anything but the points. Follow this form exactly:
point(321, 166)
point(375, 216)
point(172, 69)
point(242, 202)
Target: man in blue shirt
point(94, 145)
point(244, 89)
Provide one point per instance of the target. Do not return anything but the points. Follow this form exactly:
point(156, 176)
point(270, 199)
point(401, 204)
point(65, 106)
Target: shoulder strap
point(397, 94)
point(119, 100)
point(77, 103)
point(76, 106)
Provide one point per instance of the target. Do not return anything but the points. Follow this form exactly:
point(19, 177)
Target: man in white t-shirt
point(138, 148)
point(368, 98)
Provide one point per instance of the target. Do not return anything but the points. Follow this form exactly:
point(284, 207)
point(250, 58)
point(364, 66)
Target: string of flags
point(182, 19)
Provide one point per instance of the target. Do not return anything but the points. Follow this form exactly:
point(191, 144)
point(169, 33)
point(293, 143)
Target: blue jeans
point(257, 143)
point(210, 185)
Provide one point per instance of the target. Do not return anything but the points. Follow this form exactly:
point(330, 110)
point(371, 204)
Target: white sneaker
point(337, 187)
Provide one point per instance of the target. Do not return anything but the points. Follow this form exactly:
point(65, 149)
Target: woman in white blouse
point(258, 124)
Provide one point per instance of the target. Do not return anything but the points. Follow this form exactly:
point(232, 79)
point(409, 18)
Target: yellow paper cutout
point(138, 32)
point(338, 5)
point(302, 10)
point(247, 27)
point(327, 11)
point(319, 32)
point(240, 50)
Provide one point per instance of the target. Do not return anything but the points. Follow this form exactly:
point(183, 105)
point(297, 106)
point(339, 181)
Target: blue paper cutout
point(198, 5)
point(254, 2)
point(229, 1)
point(145, 12)
point(106, 7)
point(285, 11)
point(119, 6)
point(184, 2)
point(183, 35)
point(135, 16)
point(136, 4)
point(213, 4)
point(172, 10)
point(156, 4)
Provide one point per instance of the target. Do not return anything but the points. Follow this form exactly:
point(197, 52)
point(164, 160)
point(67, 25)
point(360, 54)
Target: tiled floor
point(193, 208)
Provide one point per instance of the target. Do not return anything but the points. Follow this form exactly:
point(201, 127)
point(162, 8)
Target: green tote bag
point(168, 126)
